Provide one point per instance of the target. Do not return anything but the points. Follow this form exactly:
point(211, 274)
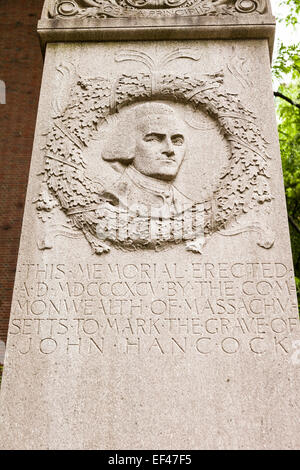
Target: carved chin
point(167, 172)
point(166, 176)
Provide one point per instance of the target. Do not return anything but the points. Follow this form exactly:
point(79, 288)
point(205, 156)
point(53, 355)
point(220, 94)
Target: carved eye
point(178, 140)
point(152, 138)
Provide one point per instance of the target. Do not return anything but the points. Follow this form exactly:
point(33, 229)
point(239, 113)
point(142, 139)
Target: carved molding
point(153, 8)
point(242, 186)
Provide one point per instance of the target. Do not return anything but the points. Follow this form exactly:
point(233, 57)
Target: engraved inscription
point(159, 308)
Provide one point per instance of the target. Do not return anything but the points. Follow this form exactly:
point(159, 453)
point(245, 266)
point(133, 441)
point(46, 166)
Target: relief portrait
point(149, 143)
point(149, 160)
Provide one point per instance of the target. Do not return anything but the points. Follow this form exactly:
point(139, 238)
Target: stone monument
point(154, 305)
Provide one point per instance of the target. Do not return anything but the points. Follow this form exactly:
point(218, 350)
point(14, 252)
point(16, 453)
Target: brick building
point(21, 71)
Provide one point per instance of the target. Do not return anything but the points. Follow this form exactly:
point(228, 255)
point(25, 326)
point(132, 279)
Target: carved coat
point(140, 211)
point(134, 190)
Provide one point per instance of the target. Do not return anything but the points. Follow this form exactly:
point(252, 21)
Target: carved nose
point(168, 148)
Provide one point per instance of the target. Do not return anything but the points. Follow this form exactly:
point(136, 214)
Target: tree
point(286, 68)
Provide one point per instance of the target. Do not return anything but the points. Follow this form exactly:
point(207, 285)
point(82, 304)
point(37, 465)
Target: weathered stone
point(154, 303)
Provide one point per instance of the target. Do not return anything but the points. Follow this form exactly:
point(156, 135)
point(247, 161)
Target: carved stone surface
point(152, 8)
point(124, 20)
point(154, 303)
point(242, 185)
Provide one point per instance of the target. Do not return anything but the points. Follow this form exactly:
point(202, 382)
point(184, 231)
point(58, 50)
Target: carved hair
point(121, 141)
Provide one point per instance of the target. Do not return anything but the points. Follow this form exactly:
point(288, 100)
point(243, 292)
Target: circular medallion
point(246, 6)
point(67, 8)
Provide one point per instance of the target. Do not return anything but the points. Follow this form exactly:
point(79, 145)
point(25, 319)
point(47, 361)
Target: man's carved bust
point(150, 140)
point(143, 209)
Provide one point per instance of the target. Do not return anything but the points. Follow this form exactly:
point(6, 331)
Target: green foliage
point(287, 61)
point(289, 137)
point(294, 10)
point(287, 69)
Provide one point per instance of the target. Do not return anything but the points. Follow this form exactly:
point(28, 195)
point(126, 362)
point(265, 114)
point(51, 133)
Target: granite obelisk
point(154, 303)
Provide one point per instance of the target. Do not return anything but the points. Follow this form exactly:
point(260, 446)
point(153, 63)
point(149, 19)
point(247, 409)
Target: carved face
point(160, 146)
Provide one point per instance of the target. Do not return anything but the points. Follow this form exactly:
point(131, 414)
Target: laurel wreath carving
point(242, 185)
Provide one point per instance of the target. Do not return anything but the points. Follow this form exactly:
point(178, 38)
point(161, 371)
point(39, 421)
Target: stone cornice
point(166, 20)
